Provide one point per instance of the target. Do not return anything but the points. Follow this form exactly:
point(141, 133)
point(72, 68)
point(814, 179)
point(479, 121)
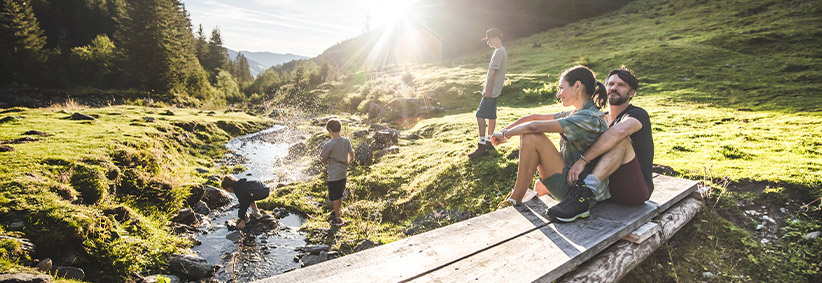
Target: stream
point(265, 156)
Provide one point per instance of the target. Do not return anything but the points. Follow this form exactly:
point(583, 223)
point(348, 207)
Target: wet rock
point(215, 197)
point(185, 216)
point(81, 116)
point(375, 110)
point(25, 244)
point(215, 178)
point(812, 235)
point(313, 248)
point(783, 210)
point(69, 272)
point(8, 119)
point(759, 227)
point(24, 278)
point(16, 225)
point(765, 241)
point(191, 266)
point(44, 265)
point(202, 208)
point(202, 170)
point(320, 122)
point(766, 218)
point(161, 278)
point(195, 196)
point(360, 133)
point(149, 119)
point(390, 150)
point(364, 245)
point(386, 137)
point(363, 154)
point(6, 148)
point(410, 137)
point(297, 150)
point(708, 274)
point(36, 133)
point(312, 259)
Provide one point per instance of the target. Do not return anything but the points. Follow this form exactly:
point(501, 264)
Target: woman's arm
point(529, 118)
point(532, 127)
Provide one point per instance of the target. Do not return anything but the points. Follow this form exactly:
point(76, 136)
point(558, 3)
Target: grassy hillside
point(104, 189)
point(732, 89)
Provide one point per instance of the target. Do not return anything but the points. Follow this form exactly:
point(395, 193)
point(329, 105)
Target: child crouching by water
point(247, 192)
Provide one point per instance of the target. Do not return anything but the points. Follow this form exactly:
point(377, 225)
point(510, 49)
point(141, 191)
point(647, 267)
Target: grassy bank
point(103, 190)
point(731, 87)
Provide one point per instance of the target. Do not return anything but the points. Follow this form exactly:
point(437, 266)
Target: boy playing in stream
point(247, 192)
point(337, 154)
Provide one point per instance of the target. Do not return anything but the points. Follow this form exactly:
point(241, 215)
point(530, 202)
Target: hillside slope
point(732, 89)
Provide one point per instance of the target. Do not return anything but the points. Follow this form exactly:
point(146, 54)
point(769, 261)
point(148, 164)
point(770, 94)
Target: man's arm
point(604, 143)
point(350, 157)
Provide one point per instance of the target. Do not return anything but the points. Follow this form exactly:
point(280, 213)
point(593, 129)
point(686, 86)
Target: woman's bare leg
point(535, 150)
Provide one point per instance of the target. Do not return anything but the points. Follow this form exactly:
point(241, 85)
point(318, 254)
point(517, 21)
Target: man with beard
point(625, 150)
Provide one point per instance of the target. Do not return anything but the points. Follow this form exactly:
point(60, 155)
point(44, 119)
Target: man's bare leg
point(535, 150)
point(621, 153)
point(492, 123)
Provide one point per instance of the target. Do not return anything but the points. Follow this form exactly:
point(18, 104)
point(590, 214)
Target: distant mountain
point(258, 62)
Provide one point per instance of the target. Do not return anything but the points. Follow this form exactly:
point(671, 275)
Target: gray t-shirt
point(336, 151)
point(499, 62)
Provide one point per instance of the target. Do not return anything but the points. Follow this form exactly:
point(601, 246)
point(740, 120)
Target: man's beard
point(619, 99)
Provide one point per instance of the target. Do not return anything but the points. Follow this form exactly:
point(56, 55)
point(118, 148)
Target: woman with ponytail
point(577, 129)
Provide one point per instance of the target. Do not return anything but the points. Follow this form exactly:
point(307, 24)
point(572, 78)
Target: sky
point(301, 27)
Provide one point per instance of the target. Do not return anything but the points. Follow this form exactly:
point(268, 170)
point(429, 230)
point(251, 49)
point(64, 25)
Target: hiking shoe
point(337, 222)
point(490, 146)
point(256, 214)
point(482, 149)
point(577, 204)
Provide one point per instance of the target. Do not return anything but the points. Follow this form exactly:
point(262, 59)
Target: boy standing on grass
point(493, 87)
point(337, 154)
point(247, 192)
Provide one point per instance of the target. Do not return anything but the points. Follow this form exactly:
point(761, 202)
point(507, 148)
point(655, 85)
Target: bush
point(90, 182)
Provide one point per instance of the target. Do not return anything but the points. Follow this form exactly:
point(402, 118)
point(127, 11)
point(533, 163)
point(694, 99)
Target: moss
point(90, 181)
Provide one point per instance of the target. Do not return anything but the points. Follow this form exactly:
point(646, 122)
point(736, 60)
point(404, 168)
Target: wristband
point(583, 159)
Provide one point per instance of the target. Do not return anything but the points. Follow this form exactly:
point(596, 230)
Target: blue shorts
point(487, 108)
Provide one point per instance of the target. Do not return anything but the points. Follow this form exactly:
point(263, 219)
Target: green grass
point(732, 90)
point(106, 188)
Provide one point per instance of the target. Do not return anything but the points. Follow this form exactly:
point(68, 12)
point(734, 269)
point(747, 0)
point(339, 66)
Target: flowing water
point(265, 155)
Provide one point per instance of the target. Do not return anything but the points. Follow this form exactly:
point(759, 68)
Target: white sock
point(482, 140)
point(592, 182)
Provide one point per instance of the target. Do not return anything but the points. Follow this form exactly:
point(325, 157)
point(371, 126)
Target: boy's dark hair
point(333, 125)
point(228, 181)
point(626, 75)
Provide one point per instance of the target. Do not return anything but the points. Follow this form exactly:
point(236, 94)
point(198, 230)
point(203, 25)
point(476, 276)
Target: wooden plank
point(414, 255)
point(642, 233)
point(616, 261)
point(429, 255)
point(547, 253)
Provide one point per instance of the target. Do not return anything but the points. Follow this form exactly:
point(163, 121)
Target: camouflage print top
point(581, 128)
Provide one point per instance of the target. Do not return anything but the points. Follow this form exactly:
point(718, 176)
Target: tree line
point(143, 45)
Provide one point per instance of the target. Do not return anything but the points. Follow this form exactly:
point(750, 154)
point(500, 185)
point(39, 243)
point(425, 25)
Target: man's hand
point(573, 173)
point(241, 225)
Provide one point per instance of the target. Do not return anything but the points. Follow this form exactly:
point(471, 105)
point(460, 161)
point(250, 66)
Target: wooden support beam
point(616, 261)
point(642, 233)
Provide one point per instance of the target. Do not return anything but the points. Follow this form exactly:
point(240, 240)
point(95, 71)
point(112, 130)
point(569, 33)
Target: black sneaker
point(577, 204)
point(482, 149)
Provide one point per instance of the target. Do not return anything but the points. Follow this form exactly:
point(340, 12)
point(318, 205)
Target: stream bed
point(265, 156)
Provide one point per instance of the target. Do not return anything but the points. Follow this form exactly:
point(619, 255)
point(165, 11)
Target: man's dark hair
point(333, 125)
point(626, 75)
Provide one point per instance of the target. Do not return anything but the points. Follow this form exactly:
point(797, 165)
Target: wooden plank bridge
point(520, 244)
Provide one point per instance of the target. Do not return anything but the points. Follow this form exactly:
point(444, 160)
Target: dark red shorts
point(627, 185)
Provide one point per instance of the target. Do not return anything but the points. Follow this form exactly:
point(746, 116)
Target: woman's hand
point(497, 138)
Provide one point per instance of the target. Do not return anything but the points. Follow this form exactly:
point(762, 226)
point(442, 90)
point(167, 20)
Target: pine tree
point(243, 72)
point(216, 55)
point(156, 41)
point(201, 45)
point(22, 53)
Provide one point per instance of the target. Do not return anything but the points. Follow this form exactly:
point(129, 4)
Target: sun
point(387, 12)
